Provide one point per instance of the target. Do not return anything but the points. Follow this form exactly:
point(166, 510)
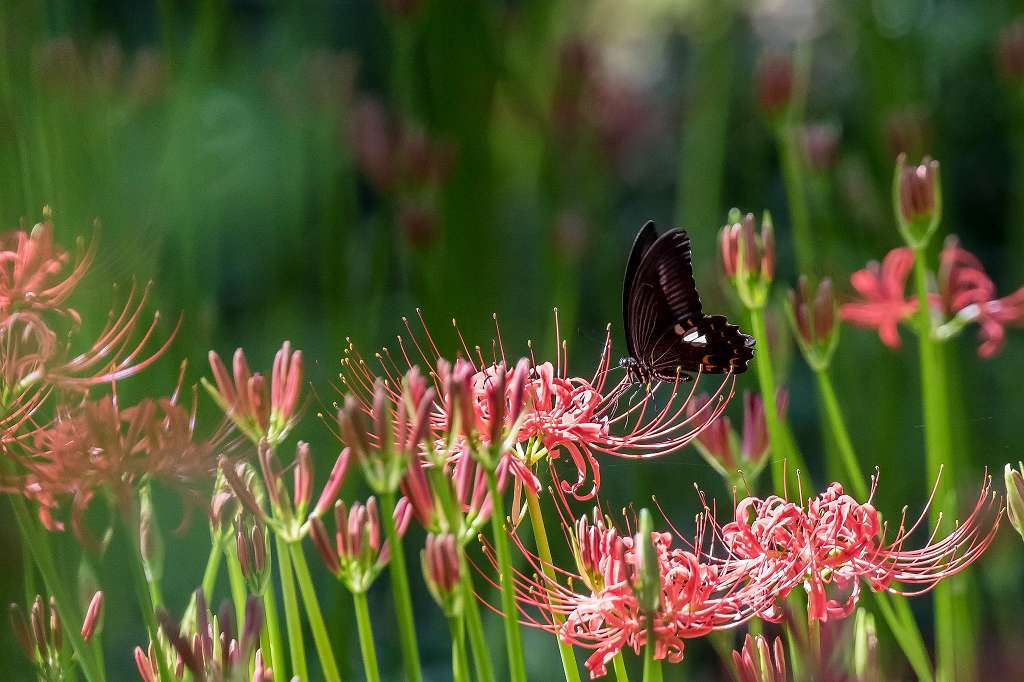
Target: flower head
point(813, 316)
point(748, 257)
point(41, 635)
point(774, 83)
point(883, 303)
point(819, 142)
point(36, 274)
point(442, 572)
point(917, 195)
point(759, 661)
point(728, 452)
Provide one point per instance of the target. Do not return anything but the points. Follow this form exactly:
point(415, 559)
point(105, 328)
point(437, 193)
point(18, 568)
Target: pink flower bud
point(302, 475)
point(334, 483)
point(774, 83)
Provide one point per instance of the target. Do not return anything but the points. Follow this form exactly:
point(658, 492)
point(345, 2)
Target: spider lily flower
point(442, 572)
point(215, 651)
point(243, 396)
point(357, 555)
point(917, 198)
point(814, 318)
point(99, 447)
point(548, 415)
point(833, 542)
point(774, 84)
point(1014, 480)
point(748, 257)
point(38, 275)
point(883, 303)
point(730, 453)
point(41, 635)
point(759, 661)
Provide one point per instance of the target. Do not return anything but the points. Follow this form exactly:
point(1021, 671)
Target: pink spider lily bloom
point(833, 542)
point(967, 293)
point(883, 303)
point(244, 397)
point(556, 413)
point(36, 274)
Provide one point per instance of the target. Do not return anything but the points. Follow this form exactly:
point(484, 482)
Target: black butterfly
point(666, 331)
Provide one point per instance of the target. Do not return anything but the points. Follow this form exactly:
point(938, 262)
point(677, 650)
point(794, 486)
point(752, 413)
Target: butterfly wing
point(669, 329)
point(645, 238)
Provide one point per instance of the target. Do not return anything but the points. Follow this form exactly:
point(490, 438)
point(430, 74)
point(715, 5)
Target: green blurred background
point(313, 171)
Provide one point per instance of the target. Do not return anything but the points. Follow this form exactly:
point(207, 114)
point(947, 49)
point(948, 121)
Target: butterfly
point(667, 333)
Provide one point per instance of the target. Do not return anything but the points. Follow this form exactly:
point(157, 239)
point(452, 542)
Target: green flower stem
point(272, 627)
point(236, 580)
point(787, 139)
point(460, 665)
point(400, 591)
point(474, 626)
point(952, 640)
point(652, 666)
point(513, 638)
point(854, 474)
point(293, 620)
point(90, 657)
point(313, 615)
point(540, 536)
point(814, 645)
point(619, 665)
point(144, 596)
point(366, 647)
point(783, 452)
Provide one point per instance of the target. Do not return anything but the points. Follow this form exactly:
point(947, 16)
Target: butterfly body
point(667, 333)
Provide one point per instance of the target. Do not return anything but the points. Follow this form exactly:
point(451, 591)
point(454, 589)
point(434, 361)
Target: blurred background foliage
point(316, 170)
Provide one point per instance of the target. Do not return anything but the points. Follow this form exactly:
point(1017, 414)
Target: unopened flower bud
point(20, 626)
point(748, 256)
point(303, 477)
point(1014, 479)
point(441, 571)
point(251, 551)
point(774, 83)
point(496, 405)
point(1010, 52)
point(647, 577)
point(819, 142)
point(334, 482)
point(813, 317)
point(917, 195)
point(760, 662)
point(93, 616)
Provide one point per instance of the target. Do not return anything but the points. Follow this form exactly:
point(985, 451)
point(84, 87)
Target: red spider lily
point(546, 411)
point(965, 291)
point(99, 446)
point(724, 450)
point(244, 396)
point(833, 542)
point(760, 662)
point(36, 274)
point(442, 571)
point(883, 304)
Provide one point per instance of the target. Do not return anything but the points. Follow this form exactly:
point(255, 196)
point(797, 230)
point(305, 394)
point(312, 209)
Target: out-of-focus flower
point(730, 453)
point(819, 143)
point(1014, 480)
point(814, 318)
point(442, 572)
point(917, 195)
point(908, 131)
point(759, 661)
point(418, 224)
point(1010, 51)
point(357, 555)
point(258, 412)
point(748, 257)
point(36, 274)
point(883, 303)
point(773, 81)
point(41, 635)
point(833, 542)
point(968, 295)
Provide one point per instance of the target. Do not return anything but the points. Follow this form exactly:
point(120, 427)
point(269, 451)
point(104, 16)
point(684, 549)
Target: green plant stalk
point(398, 574)
point(513, 638)
point(854, 474)
point(272, 627)
point(619, 665)
point(474, 626)
point(814, 644)
point(236, 581)
point(460, 664)
point(796, 194)
point(90, 657)
point(144, 595)
point(209, 582)
point(293, 621)
point(540, 536)
point(366, 647)
point(652, 666)
point(316, 619)
point(949, 637)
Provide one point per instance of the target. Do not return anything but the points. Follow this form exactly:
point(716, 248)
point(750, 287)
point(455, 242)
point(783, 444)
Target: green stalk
point(652, 666)
point(366, 646)
point(296, 646)
point(460, 665)
point(854, 474)
point(513, 638)
point(144, 596)
point(814, 645)
point(400, 592)
point(273, 630)
point(540, 536)
point(938, 456)
point(213, 560)
point(239, 594)
point(788, 142)
point(313, 615)
point(474, 626)
point(619, 665)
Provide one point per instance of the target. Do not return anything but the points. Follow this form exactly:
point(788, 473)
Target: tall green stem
point(513, 638)
point(953, 641)
point(540, 536)
point(475, 627)
point(144, 596)
point(854, 474)
point(400, 592)
point(293, 619)
point(652, 666)
point(460, 664)
point(366, 647)
point(619, 665)
point(273, 630)
point(316, 619)
point(236, 581)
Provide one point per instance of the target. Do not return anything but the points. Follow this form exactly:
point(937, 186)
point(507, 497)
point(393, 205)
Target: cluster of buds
point(357, 555)
point(288, 512)
point(41, 635)
point(442, 572)
point(748, 257)
point(814, 318)
point(252, 550)
point(214, 651)
point(598, 550)
point(733, 455)
point(260, 414)
point(759, 660)
point(917, 198)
